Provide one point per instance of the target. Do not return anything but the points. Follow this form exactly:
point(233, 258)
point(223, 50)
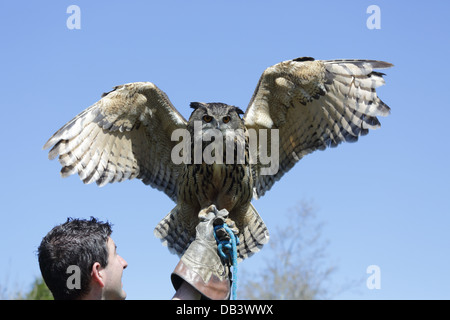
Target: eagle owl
point(298, 106)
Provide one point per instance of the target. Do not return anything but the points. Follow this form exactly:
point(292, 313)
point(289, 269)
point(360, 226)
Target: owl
point(222, 155)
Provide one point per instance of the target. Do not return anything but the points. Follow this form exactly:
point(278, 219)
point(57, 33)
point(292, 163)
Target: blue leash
point(231, 245)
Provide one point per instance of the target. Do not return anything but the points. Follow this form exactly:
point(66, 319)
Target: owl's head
point(216, 116)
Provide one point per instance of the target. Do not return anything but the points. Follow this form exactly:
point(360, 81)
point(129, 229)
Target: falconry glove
point(200, 265)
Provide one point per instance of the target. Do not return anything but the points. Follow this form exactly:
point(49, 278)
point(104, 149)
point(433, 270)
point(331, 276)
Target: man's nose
point(124, 263)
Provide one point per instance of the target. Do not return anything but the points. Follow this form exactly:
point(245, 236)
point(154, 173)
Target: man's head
point(84, 246)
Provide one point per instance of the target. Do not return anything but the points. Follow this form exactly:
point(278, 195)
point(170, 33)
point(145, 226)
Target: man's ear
point(97, 274)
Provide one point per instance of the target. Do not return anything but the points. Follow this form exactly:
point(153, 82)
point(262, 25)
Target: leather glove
point(200, 265)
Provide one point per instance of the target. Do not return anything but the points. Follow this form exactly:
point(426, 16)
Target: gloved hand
point(200, 265)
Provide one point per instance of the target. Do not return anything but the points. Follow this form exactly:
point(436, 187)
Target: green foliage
point(39, 291)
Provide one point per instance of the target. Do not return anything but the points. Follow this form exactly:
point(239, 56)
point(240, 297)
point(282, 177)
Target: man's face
point(113, 274)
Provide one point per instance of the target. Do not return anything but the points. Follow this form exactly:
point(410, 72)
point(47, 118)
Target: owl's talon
point(232, 225)
point(204, 213)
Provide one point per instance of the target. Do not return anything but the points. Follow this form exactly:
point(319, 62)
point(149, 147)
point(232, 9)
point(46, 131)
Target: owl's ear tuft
point(238, 110)
point(196, 105)
point(302, 59)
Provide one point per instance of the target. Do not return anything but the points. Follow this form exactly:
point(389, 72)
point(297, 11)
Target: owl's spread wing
point(125, 135)
point(314, 104)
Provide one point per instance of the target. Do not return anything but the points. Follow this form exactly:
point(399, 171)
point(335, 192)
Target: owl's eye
point(207, 118)
point(226, 119)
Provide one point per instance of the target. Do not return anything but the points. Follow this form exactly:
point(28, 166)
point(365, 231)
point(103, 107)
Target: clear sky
point(384, 199)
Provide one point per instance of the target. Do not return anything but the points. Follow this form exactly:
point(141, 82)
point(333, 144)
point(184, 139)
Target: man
point(79, 261)
point(201, 273)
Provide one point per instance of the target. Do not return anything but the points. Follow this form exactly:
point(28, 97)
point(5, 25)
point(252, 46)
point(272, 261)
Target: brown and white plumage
point(314, 104)
point(125, 135)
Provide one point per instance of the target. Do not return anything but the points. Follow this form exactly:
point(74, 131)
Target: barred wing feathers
point(315, 104)
point(125, 135)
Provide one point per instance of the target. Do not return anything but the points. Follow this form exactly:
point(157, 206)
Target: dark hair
point(78, 243)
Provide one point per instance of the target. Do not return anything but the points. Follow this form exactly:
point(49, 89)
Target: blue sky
point(384, 199)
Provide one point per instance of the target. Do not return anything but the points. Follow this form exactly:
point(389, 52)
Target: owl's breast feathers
point(227, 185)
